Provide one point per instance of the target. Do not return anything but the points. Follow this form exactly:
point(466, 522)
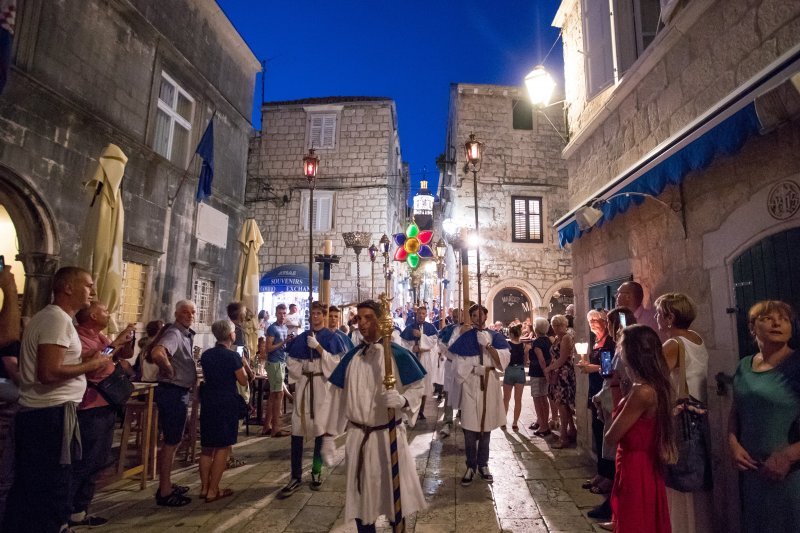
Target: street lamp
point(310, 167)
point(474, 149)
point(540, 86)
point(373, 254)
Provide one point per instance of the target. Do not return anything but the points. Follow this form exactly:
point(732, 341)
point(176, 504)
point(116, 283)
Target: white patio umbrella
point(246, 290)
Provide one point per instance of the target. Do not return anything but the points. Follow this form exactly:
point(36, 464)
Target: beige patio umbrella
point(105, 221)
point(246, 290)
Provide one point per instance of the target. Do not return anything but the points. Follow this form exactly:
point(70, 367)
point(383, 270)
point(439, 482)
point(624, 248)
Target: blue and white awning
point(287, 278)
point(722, 130)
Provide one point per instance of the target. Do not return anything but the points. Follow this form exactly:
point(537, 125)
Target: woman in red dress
point(643, 431)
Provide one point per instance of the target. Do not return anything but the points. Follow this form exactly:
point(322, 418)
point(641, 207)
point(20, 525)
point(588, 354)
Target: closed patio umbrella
point(102, 239)
point(246, 290)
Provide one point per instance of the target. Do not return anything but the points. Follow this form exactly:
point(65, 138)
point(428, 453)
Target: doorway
point(9, 248)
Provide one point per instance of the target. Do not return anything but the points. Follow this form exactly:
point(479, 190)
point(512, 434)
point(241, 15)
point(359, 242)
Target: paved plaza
point(536, 489)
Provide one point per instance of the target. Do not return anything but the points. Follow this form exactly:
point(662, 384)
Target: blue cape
point(427, 329)
point(467, 344)
point(408, 366)
point(348, 344)
point(446, 333)
point(329, 341)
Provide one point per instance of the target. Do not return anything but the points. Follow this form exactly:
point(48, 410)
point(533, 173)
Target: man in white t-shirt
point(293, 321)
point(52, 383)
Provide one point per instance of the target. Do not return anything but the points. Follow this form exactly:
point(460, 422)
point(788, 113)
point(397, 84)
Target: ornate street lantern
point(310, 165)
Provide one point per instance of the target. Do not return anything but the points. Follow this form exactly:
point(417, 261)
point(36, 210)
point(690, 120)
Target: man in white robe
point(452, 392)
point(421, 338)
point(481, 356)
point(312, 357)
point(360, 404)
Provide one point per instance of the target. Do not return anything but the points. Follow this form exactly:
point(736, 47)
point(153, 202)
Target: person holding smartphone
point(277, 338)
point(599, 361)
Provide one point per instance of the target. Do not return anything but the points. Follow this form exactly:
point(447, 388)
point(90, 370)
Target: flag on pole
point(206, 151)
point(8, 11)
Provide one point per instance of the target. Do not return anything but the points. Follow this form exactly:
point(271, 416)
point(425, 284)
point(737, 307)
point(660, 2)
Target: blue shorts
point(515, 375)
point(173, 403)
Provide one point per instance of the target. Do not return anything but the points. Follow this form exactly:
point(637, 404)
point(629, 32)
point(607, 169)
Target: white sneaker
point(328, 451)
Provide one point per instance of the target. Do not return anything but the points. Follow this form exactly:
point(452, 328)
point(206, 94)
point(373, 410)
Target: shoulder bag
point(692, 472)
point(116, 389)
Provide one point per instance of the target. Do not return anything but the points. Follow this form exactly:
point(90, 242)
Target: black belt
point(367, 432)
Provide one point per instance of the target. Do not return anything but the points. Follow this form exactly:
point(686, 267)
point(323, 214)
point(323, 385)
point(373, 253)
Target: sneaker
point(290, 488)
point(89, 520)
point(466, 481)
point(316, 482)
point(485, 474)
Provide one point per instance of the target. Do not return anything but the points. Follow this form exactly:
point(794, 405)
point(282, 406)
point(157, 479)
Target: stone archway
point(554, 289)
point(38, 239)
point(524, 287)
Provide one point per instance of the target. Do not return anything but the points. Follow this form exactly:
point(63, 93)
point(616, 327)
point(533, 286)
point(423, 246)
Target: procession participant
point(421, 338)
point(312, 358)
point(335, 325)
point(294, 321)
point(358, 397)
point(482, 355)
point(452, 393)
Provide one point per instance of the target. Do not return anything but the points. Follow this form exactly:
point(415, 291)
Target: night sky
point(409, 51)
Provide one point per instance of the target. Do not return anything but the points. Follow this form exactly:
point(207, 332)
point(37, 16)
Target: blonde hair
point(680, 306)
point(597, 313)
point(559, 319)
point(767, 307)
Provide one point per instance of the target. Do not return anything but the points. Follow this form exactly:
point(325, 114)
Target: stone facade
point(705, 52)
point(363, 170)
point(516, 162)
point(88, 74)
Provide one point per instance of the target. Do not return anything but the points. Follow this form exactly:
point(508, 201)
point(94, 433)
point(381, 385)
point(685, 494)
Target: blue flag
point(8, 11)
point(206, 150)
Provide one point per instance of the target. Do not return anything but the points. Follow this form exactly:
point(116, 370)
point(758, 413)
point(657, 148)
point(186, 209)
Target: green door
point(768, 270)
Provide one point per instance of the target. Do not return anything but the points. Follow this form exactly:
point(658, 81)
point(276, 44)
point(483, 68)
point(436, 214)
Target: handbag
point(692, 471)
point(116, 388)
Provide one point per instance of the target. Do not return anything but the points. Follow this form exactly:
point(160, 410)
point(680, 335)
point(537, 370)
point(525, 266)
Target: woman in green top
point(762, 429)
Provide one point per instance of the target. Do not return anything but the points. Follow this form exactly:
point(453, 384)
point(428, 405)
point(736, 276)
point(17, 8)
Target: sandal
point(534, 426)
point(172, 500)
point(235, 463)
point(515, 427)
point(179, 489)
point(224, 493)
point(543, 434)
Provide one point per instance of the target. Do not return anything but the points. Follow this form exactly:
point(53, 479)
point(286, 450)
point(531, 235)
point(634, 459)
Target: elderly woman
point(763, 425)
point(604, 343)
point(675, 312)
point(562, 381)
point(220, 407)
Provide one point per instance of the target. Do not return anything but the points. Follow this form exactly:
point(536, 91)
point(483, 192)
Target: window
point(615, 34)
point(131, 299)
point(526, 222)
point(322, 211)
point(173, 121)
point(322, 130)
point(522, 115)
point(203, 297)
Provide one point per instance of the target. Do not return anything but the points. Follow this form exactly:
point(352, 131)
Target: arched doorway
point(510, 304)
point(35, 238)
point(768, 270)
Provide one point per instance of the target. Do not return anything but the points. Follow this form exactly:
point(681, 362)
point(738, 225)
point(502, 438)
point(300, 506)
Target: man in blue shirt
point(277, 338)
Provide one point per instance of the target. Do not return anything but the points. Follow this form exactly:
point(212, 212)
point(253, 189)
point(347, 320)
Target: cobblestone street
point(536, 489)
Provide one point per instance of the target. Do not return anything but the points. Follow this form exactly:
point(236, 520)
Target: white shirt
point(51, 325)
point(293, 323)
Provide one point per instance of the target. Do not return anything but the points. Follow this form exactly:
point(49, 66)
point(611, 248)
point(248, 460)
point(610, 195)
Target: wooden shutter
point(534, 220)
point(328, 131)
point(316, 132)
point(597, 45)
point(519, 222)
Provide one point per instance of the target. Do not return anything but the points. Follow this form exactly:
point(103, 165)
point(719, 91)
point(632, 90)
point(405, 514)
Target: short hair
point(262, 314)
point(559, 319)
point(767, 307)
point(222, 329)
point(153, 327)
point(371, 304)
point(66, 275)
point(680, 306)
point(292, 305)
point(83, 315)
point(233, 309)
point(570, 310)
point(638, 291)
point(317, 306)
point(475, 307)
point(334, 309)
point(183, 303)
point(515, 330)
point(597, 313)
point(541, 325)
point(280, 307)
point(422, 306)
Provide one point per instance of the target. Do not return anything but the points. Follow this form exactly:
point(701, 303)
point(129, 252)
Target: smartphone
point(108, 350)
point(2, 262)
point(240, 351)
point(606, 369)
point(623, 321)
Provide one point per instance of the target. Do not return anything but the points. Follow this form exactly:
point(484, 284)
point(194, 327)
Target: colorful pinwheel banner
point(412, 245)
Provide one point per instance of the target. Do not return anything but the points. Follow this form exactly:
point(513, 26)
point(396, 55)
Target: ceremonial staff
point(385, 328)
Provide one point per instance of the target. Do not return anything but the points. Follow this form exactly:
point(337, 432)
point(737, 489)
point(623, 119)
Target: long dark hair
point(641, 350)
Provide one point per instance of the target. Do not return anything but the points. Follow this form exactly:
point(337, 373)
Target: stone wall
point(364, 170)
point(515, 162)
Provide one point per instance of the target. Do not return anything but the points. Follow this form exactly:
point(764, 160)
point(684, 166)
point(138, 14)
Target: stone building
point(86, 74)
point(522, 191)
point(361, 186)
point(700, 110)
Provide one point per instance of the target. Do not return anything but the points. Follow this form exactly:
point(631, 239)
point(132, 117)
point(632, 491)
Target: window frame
point(527, 214)
point(322, 116)
point(517, 106)
point(318, 195)
point(207, 313)
point(143, 296)
point(174, 117)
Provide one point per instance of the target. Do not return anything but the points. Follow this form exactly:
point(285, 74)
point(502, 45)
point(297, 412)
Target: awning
point(722, 130)
point(288, 278)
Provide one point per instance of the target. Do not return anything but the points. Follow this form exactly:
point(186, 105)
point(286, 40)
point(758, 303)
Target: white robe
point(429, 359)
point(471, 403)
point(302, 424)
point(361, 401)
point(453, 391)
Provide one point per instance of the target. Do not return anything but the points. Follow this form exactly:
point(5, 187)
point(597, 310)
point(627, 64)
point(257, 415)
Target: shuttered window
point(132, 294)
point(204, 296)
point(322, 210)
point(322, 130)
point(526, 221)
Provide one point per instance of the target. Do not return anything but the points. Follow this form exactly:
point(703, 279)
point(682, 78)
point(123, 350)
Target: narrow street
point(536, 489)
